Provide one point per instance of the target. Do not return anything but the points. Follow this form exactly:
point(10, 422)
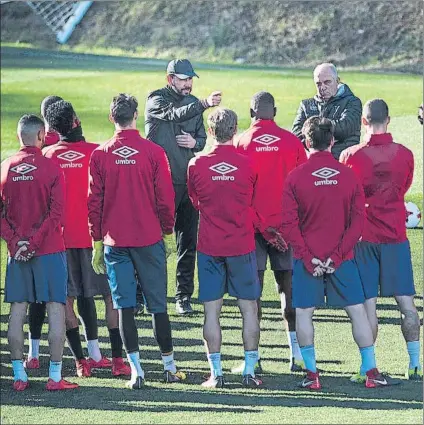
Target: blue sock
point(250, 360)
point(19, 373)
point(368, 359)
point(55, 371)
point(308, 354)
point(414, 354)
point(214, 360)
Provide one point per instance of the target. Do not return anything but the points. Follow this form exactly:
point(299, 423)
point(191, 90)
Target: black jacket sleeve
point(200, 135)
point(298, 122)
point(349, 123)
point(160, 108)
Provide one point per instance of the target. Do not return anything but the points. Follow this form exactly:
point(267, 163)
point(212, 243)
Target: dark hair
point(319, 132)
point(60, 117)
point(263, 105)
point(122, 109)
point(29, 126)
point(47, 101)
point(223, 123)
point(376, 111)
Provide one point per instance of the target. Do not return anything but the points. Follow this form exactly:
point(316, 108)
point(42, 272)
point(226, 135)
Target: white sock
point(169, 363)
point(294, 346)
point(94, 350)
point(55, 371)
point(134, 361)
point(34, 349)
point(19, 373)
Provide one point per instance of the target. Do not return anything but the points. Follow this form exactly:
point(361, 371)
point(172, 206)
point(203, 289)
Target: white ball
point(413, 215)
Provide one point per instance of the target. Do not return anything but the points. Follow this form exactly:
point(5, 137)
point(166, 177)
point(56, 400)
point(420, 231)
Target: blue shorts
point(41, 279)
point(341, 288)
point(237, 276)
point(385, 269)
point(150, 264)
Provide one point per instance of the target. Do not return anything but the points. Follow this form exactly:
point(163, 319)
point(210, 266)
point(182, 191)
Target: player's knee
point(290, 315)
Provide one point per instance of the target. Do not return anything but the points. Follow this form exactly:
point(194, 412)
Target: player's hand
point(319, 269)
point(329, 266)
point(97, 259)
point(274, 238)
point(186, 140)
point(23, 252)
point(214, 99)
point(167, 240)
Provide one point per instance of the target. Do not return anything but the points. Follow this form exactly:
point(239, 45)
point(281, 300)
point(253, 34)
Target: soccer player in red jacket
point(73, 154)
point(385, 170)
point(221, 186)
point(131, 210)
point(323, 216)
point(32, 193)
point(274, 153)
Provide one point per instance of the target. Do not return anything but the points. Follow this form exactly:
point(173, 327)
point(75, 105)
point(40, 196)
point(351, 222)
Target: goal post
point(61, 16)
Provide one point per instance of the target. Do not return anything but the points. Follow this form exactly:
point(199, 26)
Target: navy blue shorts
point(341, 288)
point(41, 279)
point(385, 269)
point(280, 261)
point(150, 264)
point(237, 276)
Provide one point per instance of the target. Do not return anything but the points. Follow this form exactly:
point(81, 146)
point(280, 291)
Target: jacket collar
point(321, 155)
point(264, 123)
point(222, 148)
point(380, 139)
point(31, 150)
point(126, 133)
point(173, 93)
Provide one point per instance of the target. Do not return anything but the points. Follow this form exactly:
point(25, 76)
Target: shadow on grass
point(278, 391)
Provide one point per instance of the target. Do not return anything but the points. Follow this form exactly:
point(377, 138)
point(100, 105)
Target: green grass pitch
point(90, 84)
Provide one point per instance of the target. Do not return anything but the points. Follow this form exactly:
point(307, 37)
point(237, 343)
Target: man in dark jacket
point(174, 121)
point(334, 100)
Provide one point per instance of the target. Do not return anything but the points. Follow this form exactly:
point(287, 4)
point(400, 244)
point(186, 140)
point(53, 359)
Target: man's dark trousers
point(186, 224)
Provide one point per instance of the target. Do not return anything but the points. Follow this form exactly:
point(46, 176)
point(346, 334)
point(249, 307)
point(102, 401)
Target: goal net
point(61, 16)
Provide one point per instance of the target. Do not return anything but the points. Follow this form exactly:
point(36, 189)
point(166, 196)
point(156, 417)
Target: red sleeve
point(164, 191)
point(95, 198)
point(301, 155)
point(191, 186)
point(7, 233)
point(411, 173)
point(290, 226)
point(56, 211)
point(354, 231)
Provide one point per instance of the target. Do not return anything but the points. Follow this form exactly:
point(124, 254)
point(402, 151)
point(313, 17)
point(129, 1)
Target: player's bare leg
point(15, 336)
point(371, 309)
point(212, 337)
point(411, 332)
point(305, 336)
point(56, 336)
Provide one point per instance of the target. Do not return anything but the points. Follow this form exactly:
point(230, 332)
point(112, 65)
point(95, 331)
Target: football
point(413, 215)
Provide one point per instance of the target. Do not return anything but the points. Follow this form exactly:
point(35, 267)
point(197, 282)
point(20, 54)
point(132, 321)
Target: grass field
point(89, 83)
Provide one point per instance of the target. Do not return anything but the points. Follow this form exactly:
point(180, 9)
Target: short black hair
point(376, 111)
point(122, 109)
point(47, 101)
point(60, 117)
point(28, 127)
point(263, 105)
point(223, 124)
point(319, 132)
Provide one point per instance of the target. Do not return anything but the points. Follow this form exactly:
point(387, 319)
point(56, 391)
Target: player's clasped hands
point(23, 253)
point(322, 267)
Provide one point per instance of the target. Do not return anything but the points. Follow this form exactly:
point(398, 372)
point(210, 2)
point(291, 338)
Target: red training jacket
point(131, 197)
point(221, 186)
point(323, 210)
point(274, 153)
point(74, 160)
point(51, 138)
point(385, 169)
point(33, 202)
